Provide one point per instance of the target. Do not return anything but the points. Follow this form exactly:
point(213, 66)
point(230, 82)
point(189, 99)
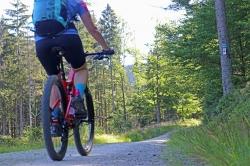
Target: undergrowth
point(225, 139)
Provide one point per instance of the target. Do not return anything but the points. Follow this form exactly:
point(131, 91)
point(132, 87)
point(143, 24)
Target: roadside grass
point(149, 132)
point(8, 144)
point(109, 138)
point(157, 130)
point(33, 137)
point(217, 143)
point(224, 141)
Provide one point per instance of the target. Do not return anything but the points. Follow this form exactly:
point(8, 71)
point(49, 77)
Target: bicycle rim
point(54, 96)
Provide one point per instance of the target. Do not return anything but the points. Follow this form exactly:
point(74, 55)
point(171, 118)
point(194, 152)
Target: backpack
point(49, 17)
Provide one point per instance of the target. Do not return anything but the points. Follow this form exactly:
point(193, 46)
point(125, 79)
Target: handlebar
point(101, 55)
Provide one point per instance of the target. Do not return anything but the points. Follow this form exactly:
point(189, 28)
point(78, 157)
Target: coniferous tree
point(113, 31)
point(21, 75)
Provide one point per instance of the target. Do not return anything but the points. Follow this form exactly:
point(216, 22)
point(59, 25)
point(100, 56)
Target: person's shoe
point(56, 128)
point(78, 104)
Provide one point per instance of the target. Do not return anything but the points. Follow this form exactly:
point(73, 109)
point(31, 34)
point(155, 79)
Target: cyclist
point(70, 41)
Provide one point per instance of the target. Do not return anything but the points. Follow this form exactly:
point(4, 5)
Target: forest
point(180, 77)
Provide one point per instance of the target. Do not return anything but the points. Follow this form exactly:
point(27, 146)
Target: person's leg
point(54, 97)
point(50, 63)
point(81, 78)
point(74, 55)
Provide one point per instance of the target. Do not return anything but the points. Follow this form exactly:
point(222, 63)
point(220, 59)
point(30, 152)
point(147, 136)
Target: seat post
point(62, 69)
point(59, 51)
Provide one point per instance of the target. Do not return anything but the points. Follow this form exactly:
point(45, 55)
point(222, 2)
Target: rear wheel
point(54, 96)
point(84, 131)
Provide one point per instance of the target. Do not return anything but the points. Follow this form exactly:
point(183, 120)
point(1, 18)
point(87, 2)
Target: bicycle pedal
point(81, 114)
point(55, 130)
point(77, 103)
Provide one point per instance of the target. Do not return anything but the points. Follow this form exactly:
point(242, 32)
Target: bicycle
point(58, 94)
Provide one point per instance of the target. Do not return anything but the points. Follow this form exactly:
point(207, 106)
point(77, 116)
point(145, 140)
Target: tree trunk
point(4, 121)
point(30, 103)
point(123, 99)
point(226, 67)
point(21, 125)
point(16, 119)
point(242, 60)
point(112, 85)
point(158, 111)
point(30, 85)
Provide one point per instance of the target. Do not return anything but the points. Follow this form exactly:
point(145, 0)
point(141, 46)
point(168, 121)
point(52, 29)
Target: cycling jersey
point(74, 7)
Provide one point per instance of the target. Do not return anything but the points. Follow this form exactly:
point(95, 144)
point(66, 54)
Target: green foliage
point(179, 83)
point(33, 134)
point(31, 140)
point(228, 105)
point(219, 140)
point(218, 143)
point(108, 79)
point(109, 138)
point(238, 23)
point(195, 41)
point(225, 140)
point(17, 144)
point(17, 18)
point(5, 140)
point(21, 75)
point(109, 26)
point(150, 132)
point(118, 124)
point(141, 110)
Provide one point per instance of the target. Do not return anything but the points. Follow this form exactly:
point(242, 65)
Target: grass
point(8, 144)
point(224, 141)
point(149, 132)
point(157, 130)
point(218, 143)
point(109, 138)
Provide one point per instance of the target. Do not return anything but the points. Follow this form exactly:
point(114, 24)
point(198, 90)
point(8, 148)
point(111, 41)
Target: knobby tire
point(54, 154)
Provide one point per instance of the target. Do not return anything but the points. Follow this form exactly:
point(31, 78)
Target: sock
point(81, 88)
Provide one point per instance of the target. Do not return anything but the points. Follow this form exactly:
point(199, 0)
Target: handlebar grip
point(101, 55)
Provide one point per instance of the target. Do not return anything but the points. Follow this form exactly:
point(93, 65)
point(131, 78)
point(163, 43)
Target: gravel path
point(145, 153)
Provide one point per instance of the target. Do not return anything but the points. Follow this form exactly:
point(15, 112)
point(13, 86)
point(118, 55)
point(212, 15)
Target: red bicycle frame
point(68, 84)
point(70, 91)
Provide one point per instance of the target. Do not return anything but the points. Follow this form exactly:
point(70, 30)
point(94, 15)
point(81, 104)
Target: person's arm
point(92, 29)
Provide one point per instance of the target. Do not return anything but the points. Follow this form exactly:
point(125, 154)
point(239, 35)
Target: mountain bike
point(57, 95)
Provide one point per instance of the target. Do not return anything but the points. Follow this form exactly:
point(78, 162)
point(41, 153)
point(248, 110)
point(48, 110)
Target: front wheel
point(84, 131)
point(56, 141)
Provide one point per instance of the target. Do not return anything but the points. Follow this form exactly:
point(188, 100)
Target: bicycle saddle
point(58, 50)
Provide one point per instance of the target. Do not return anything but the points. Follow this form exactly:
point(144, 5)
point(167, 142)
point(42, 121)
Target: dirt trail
point(144, 153)
point(147, 153)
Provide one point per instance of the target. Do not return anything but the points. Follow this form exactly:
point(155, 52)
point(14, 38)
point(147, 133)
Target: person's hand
point(108, 51)
point(104, 54)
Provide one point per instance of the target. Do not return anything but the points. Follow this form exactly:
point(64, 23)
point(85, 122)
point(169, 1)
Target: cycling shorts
point(72, 45)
